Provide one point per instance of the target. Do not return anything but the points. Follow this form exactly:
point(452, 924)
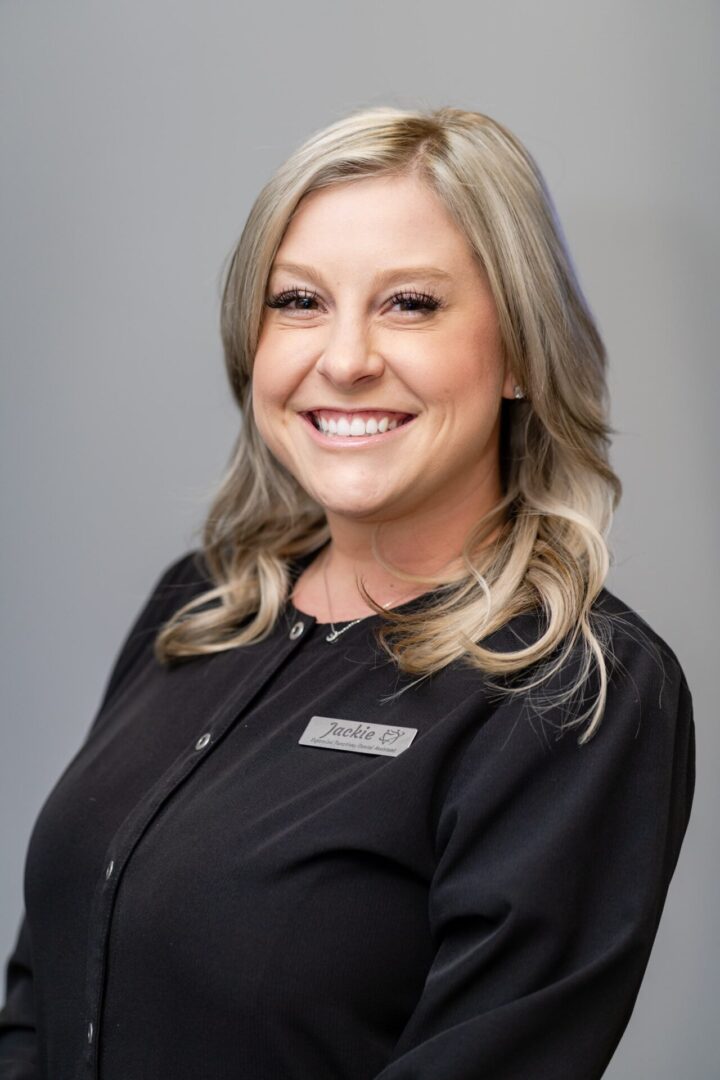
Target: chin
point(356, 510)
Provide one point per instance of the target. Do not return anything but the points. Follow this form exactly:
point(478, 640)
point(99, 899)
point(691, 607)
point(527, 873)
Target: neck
point(429, 543)
point(328, 587)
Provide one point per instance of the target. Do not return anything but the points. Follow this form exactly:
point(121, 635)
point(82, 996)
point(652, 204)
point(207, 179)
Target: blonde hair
point(559, 491)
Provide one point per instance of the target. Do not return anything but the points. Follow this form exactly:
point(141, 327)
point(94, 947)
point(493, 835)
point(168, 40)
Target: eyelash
point(426, 301)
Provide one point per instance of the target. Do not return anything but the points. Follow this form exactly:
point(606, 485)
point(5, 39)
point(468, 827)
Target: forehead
point(375, 218)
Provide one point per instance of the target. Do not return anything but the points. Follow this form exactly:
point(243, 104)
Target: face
point(380, 329)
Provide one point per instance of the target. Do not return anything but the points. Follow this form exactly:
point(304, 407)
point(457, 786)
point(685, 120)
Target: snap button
point(109, 870)
point(202, 741)
point(297, 630)
point(90, 1032)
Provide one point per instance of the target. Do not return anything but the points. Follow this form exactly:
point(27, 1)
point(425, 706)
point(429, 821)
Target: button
point(202, 741)
point(297, 630)
point(109, 869)
point(90, 1032)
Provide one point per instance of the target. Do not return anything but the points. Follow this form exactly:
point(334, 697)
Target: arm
point(18, 1039)
point(18, 1043)
point(554, 861)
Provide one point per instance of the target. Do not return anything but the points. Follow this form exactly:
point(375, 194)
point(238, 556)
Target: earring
point(519, 391)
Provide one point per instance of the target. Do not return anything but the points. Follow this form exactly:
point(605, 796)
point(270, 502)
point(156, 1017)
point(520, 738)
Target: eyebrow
point(382, 277)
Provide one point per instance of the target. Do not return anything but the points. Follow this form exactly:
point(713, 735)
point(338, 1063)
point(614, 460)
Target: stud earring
point(519, 391)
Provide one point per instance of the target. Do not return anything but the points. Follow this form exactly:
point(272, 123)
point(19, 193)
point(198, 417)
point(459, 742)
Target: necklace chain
point(335, 634)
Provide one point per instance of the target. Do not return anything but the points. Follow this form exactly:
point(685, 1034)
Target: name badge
point(333, 734)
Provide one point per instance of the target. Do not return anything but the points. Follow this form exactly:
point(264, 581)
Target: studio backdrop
point(134, 138)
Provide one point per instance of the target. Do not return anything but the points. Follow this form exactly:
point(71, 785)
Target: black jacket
point(207, 897)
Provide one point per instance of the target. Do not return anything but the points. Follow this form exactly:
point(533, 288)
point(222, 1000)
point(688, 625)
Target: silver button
point(90, 1032)
point(297, 630)
point(109, 869)
point(202, 741)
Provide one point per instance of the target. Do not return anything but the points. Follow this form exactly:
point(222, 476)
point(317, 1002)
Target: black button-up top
point(207, 897)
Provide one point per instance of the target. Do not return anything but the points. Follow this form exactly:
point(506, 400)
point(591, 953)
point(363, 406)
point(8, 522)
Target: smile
point(332, 427)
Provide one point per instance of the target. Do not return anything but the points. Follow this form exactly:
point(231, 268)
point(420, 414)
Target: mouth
point(356, 429)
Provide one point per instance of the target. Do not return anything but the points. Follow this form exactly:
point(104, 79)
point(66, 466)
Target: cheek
point(473, 362)
point(463, 383)
point(269, 379)
point(282, 359)
point(264, 390)
point(273, 386)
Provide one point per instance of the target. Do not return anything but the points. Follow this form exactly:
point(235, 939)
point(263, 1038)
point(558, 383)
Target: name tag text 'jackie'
point(336, 734)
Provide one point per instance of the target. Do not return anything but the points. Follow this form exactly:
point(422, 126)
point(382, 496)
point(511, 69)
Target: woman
point(385, 783)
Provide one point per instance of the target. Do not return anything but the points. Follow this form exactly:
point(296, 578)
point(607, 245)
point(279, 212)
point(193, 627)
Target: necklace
point(335, 634)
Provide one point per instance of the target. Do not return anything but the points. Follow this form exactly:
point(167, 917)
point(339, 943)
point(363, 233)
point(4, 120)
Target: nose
point(349, 355)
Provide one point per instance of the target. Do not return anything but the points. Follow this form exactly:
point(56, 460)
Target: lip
point(342, 441)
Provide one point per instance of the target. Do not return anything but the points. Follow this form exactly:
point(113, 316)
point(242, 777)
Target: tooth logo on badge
point(332, 733)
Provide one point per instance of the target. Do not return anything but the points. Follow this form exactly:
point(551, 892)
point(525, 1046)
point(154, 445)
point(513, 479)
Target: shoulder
point(178, 581)
point(173, 586)
point(635, 651)
point(640, 677)
point(186, 569)
point(628, 641)
point(642, 752)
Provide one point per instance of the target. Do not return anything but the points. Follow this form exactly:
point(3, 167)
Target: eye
point(410, 300)
point(283, 299)
point(417, 301)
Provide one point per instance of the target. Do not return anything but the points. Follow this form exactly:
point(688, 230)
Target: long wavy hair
point(550, 554)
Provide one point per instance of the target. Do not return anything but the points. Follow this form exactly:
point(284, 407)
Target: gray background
point(135, 137)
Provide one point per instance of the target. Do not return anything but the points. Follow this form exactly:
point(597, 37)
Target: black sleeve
point(554, 861)
point(18, 1042)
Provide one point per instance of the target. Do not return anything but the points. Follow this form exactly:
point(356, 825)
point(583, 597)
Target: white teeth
point(356, 426)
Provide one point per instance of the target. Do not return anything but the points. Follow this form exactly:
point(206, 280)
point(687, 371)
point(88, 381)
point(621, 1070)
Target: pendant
point(334, 634)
